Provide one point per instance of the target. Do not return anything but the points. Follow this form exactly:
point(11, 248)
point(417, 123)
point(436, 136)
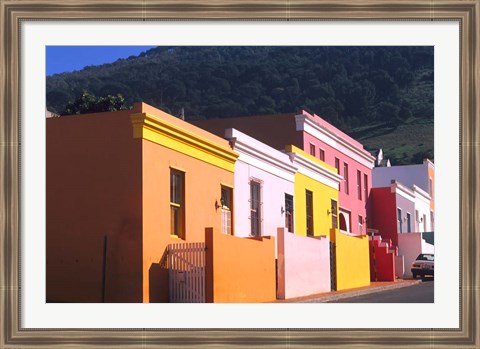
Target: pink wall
point(410, 246)
point(350, 201)
point(399, 266)
point(303, 265)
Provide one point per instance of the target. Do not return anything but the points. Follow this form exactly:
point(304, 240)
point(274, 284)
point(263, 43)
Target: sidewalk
point(375, 286)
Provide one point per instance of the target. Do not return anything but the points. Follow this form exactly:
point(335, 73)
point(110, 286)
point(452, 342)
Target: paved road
point(420, 293)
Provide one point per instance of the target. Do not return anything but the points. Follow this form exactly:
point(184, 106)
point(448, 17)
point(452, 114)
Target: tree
point(88, 103)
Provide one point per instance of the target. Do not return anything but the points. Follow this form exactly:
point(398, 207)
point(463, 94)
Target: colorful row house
point(145, 207)
point(316, 192)
point(402, 223)
point(346, 157)
point(122, 189)
point(421, 175)
point(271, 199)
point(264, 187)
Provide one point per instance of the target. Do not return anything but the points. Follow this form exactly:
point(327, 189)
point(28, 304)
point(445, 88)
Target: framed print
point(27, 27)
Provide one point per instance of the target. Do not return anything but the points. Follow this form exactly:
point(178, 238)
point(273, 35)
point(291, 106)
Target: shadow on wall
point(158, 280)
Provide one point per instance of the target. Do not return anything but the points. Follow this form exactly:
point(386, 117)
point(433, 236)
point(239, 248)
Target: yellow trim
point(156, 130)
point(174, 204)
point(293, 149)
point(173, 236)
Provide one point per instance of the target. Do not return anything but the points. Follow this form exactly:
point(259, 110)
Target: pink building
point(322, 140)
point(264, 187)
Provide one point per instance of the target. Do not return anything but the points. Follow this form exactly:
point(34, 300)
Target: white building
point(264, 187)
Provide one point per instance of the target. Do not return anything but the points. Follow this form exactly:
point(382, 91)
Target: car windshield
point(426, 257)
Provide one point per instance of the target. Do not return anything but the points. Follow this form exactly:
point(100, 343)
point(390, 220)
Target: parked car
point(423, 265)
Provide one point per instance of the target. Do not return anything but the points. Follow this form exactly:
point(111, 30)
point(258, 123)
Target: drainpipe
point(104, 267)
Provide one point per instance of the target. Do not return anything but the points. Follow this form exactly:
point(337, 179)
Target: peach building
point(121, 187)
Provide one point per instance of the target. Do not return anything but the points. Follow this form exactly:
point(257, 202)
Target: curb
point(333, 297)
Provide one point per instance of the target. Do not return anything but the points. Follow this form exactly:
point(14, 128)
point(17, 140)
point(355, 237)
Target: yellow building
point(316, 214)
point(316, 193)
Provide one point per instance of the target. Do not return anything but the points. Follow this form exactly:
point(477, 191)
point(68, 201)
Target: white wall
point(423, 206)
point(275, 173)
point(407, 175)
point(273, 191)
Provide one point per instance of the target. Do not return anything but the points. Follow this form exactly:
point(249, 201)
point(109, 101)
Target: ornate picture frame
point(13, 13)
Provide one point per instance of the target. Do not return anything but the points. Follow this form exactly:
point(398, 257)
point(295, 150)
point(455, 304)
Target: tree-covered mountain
point(366, 91)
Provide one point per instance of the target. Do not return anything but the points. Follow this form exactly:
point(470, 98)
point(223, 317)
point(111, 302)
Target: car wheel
point(414, 275)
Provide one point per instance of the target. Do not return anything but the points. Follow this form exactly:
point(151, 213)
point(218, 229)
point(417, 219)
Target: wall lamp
point(217, 205)
point(282, 210)
point(331, 210)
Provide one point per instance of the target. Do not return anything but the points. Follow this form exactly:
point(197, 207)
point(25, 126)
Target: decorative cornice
point(302, 119)
point(409, 193)
point(321, 173)
point(156, 130)
point(245, 148)
point(420, 192)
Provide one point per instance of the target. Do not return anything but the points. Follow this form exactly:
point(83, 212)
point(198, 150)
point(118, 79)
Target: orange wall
point(93, 190)
point(202, 188)
point(239, 270)
point(101, 181)
point(431, 174)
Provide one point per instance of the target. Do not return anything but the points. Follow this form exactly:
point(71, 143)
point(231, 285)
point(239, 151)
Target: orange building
point(121, 187)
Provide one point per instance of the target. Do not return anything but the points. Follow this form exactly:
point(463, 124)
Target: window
point(255, 209)
point(309, 203)
point(359, 185)
point(226, 203)
point(321, 154)
point(365, 187)
point(345, 177)
point(360, 225)
point(289, 213)
point(177, 207)
point(424, 223)
point(334, 213)
point(409, 229)
point(312, 149)
point(337, 165)
point(417, 221)
point(399, 220)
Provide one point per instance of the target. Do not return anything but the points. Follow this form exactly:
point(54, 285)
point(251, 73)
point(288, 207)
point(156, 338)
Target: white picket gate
point(186, 265)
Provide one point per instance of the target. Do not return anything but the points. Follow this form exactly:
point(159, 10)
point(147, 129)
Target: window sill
point(351, 234)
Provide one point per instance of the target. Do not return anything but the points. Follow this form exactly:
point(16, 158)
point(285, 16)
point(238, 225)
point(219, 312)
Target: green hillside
point(380, 95)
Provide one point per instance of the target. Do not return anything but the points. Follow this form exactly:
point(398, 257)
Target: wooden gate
point(186, 270)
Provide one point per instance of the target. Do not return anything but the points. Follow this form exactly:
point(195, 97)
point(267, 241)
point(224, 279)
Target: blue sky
point(62, 59)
